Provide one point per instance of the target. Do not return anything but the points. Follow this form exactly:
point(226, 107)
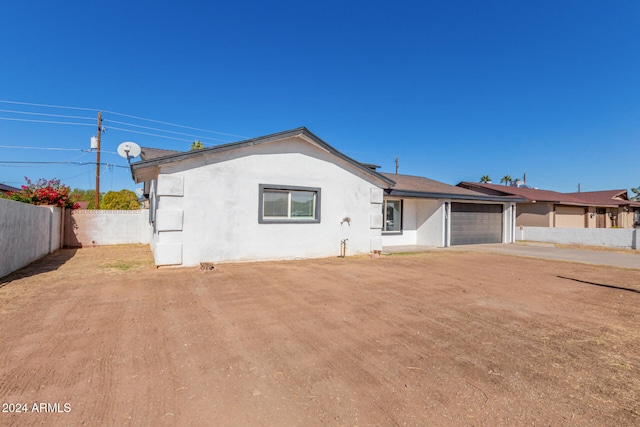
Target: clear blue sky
point(455, 89)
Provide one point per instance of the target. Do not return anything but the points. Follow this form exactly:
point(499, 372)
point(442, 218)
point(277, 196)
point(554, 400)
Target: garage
point(473, 223)
point(570, 217)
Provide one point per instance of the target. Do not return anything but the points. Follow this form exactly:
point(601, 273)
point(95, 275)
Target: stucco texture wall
point(216, 199)
point(422, 224)
point(607, 237)
point(570, 217)
point(106, 227)
point(534, 214)
point(27, 233)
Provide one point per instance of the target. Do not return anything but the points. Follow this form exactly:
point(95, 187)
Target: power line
point(72, 177)
point(54, 149)
point(46, 114)
point(173, 124)
point(42, 148)
point(46, 121)
point(162, 130)
point(11, 162)
point(149, 134)
point(47, 105)
point(81, 155)
point(109, 112)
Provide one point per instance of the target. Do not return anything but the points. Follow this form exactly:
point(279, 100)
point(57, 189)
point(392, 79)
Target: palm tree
point(506, 180)
point(485, 179)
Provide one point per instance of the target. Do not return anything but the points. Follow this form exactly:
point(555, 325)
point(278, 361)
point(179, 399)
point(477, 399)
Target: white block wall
point(27, 233)
point(107, 227)
point(608, 237)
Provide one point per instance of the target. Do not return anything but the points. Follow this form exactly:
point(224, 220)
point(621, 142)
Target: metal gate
point(475, 223)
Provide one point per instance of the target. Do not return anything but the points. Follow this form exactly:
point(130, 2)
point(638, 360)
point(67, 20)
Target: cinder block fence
point(99, 227)
point(607, 237)
point(29, 232)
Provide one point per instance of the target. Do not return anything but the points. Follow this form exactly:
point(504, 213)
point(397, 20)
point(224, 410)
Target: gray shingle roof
point(5, 188)
point(417, 186)
point(148, 153)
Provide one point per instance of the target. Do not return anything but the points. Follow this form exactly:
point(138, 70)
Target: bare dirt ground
point(438, 338)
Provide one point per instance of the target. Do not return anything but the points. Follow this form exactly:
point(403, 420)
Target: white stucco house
point(291, 195)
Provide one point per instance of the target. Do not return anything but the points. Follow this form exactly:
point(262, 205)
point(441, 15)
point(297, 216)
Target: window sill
point(288, 221)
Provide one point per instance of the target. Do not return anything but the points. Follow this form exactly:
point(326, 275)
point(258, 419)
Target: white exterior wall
point(208, 206)
point(422, 224)
point(409, 225)
point(431, 220)
point(608, 237)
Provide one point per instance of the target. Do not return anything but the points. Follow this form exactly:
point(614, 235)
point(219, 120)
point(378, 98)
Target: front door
point(601, 218)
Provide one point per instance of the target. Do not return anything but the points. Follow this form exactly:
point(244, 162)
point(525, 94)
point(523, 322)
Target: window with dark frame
point(289, 204)
point(392, 216)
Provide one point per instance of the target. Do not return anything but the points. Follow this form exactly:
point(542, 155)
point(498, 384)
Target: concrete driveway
point(549, 251)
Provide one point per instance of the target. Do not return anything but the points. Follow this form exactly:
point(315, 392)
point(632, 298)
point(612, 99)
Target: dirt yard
point(101, 337)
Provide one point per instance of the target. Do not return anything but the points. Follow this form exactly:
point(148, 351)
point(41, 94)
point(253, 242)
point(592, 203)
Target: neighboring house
point(610, 208)
point(291, 195)
point(544, 208)
point(4, 189)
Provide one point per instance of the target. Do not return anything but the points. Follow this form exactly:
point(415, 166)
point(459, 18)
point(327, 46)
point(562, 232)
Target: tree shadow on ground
point(45, 264)
point(601, 284)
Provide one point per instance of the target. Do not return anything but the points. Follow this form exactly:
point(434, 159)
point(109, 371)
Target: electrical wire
point(149, 134)
point(57, 149)
point(47, 114)
point(173, 124)
point(12, 162)
point(46, 121)
point(72, 177)
point(47, 105)
point(81, 155)
point(108, 112)
point(161, 130)
point(42, 148)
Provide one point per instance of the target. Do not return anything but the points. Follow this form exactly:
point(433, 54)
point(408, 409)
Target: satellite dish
point(129, 150)
point(139, 191)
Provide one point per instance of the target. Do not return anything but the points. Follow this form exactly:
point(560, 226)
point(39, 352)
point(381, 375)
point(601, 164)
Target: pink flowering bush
point(44, 192)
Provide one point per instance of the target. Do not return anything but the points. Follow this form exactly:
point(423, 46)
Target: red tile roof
point(531, 194)
point(606, 198)
point(588, 198)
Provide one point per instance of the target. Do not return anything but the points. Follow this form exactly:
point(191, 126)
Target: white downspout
point(513, 223)
point(447, 224)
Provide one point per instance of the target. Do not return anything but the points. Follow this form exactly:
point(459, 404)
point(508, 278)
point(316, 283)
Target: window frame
point(288, 189)
point(384, 216)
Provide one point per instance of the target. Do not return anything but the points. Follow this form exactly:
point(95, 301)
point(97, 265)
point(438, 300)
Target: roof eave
point(436, 195)
point(302, 132)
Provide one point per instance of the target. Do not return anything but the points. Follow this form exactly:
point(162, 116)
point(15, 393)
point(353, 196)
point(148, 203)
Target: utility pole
point(396, 165)
point(97, 198)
